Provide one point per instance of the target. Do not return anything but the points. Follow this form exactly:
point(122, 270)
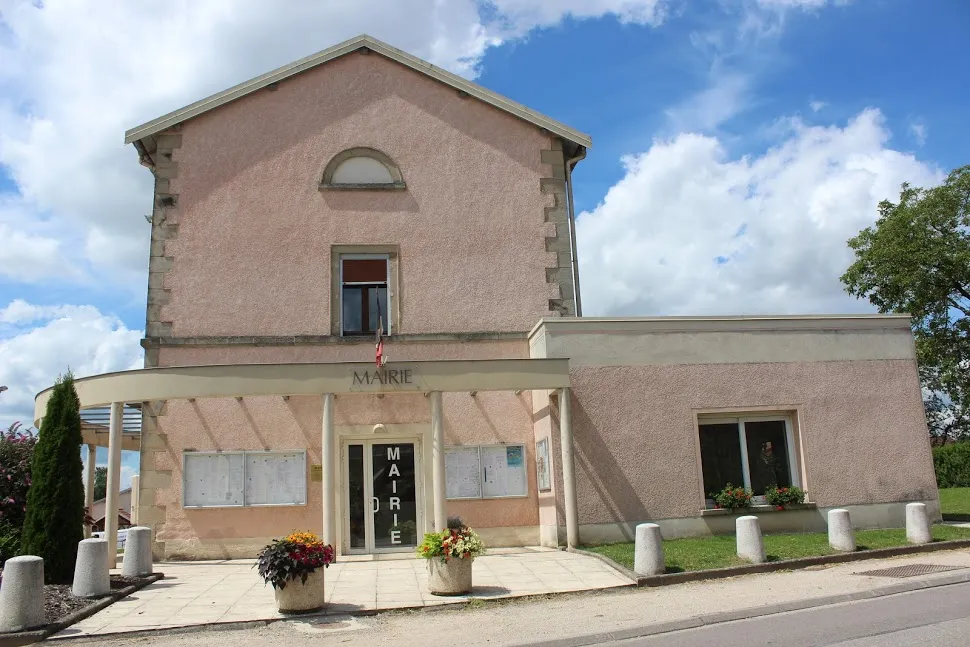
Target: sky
point(737, 144)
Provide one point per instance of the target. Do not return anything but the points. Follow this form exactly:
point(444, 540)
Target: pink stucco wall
point(861, 425)
point(252, 255)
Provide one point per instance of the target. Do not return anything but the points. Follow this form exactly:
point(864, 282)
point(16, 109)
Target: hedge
point(952, 463)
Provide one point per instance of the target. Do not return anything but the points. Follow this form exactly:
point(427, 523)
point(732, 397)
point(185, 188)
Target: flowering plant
point(16, 451)
point(293, 557)
point(457, 541)
point(782, 496)
point(732, 497)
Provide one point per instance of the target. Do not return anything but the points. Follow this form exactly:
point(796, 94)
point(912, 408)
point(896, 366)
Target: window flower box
point(756, 509)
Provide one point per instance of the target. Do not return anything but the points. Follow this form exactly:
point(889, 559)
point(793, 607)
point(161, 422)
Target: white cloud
point(708, 109)
point(76, 75)
point(736, 51)
point(690, 231)
point(817, 105)
point(77, 337)
point(919, 132)
point(800, 4)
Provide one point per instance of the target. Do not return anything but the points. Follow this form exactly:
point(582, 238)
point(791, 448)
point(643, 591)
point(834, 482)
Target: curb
point(19, 638)
point(667, 579)
point(747, 614)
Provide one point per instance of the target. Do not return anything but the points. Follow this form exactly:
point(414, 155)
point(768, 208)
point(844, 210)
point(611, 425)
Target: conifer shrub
point(55, 503)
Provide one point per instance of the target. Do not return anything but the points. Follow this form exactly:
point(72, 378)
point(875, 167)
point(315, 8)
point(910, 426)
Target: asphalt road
point(928, 618)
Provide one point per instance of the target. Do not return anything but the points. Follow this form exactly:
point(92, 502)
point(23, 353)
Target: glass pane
point(355, 454)
point(767, 454)
point(720, 457)
point(394, 504)
point(352, 316)
point(377, 307)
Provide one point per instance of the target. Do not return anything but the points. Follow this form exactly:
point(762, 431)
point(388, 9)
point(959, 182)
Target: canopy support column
point(568, 468)
point(114, 481)
point(438, 462)
point(328, 452)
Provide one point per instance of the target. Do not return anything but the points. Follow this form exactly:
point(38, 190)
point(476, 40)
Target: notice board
point(213, 480)
point(463, 473)
point(275, 478)
point(504, 472)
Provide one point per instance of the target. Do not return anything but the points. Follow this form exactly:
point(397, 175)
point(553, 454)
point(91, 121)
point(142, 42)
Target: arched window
point(362, 168)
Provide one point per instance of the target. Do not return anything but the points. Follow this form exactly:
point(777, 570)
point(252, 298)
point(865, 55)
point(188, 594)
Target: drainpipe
point(570, 163)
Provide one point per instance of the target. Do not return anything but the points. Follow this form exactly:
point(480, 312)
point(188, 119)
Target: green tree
point(55, 502)
point(100, 482)
point(916, 259)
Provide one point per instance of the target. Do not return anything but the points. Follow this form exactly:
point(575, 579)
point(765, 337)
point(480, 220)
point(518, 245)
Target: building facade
point(362, 194)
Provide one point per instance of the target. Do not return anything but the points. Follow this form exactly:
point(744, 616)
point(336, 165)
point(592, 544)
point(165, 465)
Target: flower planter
point(453, 577)
point(299, 597)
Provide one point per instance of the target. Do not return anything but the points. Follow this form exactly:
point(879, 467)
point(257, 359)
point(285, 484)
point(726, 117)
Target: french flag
point(379, 359)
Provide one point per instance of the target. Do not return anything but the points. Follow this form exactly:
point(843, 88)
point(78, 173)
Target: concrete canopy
point(240, 380)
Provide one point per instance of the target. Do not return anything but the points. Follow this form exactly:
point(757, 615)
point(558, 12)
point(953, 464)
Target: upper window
point(754, 451)
point(363, 295)
point(362, 168)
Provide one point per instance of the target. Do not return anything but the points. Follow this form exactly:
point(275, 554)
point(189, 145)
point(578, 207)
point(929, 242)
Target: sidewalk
point(202, 593)
point(588, 614)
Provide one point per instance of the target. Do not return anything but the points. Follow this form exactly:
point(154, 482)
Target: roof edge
point(247, 87)
point(736, 322)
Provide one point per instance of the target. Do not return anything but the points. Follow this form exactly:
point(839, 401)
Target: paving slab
point(211, 592)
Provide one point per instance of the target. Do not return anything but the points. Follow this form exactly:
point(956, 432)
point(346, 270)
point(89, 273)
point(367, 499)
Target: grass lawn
point(955, 500)
point(700, 553)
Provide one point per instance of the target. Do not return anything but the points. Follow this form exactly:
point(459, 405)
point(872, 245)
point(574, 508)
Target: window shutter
point(365, 270)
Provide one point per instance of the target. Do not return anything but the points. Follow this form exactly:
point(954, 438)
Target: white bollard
point(841, 535)
point(22, 594)
point(917, 524)
point(751, 546)
point(138, 552)
point(91, 578)
point(648, 557)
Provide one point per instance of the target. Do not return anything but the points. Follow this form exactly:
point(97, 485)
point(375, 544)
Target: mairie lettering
point(384, 377)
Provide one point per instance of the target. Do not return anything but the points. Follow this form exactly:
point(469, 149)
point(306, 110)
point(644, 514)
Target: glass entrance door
point(382, 493)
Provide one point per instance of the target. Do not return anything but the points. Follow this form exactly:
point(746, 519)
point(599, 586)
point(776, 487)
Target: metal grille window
point(364, 302)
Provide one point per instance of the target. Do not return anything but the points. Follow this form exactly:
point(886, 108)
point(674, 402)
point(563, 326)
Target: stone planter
point(298, 597)
point(453, 577)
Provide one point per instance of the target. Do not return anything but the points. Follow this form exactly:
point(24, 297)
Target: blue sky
point(736, 144)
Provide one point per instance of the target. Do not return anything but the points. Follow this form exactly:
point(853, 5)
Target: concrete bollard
point(138, 552)
point(648, 557)
point(751, 545)
point(91, 569)
point(841, 535)
point(22, 594)
point(917, 524)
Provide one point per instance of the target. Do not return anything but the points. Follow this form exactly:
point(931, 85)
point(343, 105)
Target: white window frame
point(481, 473)
point(793, 468)
point(387, 285)
point(245, 455)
